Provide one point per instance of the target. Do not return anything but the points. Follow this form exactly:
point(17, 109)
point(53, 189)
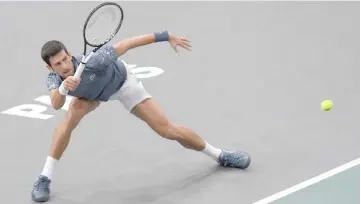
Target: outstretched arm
point(145, 39)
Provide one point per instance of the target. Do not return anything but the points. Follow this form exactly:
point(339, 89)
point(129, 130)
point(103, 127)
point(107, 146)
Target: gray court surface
point(253, 81)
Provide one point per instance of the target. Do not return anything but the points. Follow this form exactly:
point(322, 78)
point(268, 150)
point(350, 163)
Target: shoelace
point(230, 158)
point(41, 183)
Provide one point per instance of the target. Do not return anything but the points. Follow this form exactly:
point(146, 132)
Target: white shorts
point(131, 93)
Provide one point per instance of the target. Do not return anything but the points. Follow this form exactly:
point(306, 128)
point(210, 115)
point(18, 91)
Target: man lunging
point(105, 78)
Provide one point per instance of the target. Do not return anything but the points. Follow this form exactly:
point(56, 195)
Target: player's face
point(61, 63)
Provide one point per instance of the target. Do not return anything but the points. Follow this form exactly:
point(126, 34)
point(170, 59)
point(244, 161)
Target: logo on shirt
point(92, 77)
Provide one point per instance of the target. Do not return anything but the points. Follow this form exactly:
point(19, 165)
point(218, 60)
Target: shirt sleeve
point(101, 59)
point(53, 81)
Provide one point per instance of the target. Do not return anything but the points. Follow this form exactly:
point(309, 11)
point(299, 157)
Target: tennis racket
point(101, 25)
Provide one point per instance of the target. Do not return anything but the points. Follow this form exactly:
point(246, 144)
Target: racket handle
point(79, 70)
point(81, 66)
point(77, 74)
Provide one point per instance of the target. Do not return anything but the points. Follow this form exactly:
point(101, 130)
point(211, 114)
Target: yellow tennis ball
point(327, 105)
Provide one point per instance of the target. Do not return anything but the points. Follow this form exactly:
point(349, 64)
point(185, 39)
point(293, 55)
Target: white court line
point(309, 182)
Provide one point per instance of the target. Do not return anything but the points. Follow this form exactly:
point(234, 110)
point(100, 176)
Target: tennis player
point(106, 78)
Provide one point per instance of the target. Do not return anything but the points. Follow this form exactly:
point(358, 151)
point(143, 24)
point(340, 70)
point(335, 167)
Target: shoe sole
point(40, 200)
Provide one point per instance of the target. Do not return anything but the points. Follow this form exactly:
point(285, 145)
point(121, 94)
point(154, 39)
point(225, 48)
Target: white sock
point(49, 167)
point(212, 151)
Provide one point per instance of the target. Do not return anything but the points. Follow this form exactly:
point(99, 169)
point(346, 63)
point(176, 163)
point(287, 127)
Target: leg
point(150, 112)
point(136, 99)
point(139, 102)
point(77, 110)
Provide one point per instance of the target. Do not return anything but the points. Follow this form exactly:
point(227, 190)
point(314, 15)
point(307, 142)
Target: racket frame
point(85, 57)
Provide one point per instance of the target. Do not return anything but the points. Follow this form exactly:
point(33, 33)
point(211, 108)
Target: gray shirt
point(103, 75)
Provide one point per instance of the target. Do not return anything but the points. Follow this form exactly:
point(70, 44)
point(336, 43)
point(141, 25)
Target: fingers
point(185, 40)
point(175, 49)
point(186, 46)
point(69, 87)
point(182, 42)
point(71, 83)
point(185, 43)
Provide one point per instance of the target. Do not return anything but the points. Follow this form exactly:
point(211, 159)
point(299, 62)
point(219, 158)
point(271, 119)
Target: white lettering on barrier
point(36, 111)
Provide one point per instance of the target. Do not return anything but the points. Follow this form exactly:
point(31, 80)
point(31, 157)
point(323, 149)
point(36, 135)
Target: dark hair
point(50, 49)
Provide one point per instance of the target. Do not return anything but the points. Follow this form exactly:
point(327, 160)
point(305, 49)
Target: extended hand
point(179, 41)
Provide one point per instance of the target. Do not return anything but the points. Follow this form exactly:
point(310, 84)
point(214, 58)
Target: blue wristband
point(161, 36)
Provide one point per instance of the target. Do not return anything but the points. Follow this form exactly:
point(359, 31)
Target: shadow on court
point(166, 192)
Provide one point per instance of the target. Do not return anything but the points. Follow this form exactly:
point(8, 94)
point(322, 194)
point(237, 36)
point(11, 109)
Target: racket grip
point(79, 70)
point(77, 74)
point(81, 66)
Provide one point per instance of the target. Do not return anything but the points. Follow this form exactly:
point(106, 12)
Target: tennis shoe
point(237, 159)
point(41, 190)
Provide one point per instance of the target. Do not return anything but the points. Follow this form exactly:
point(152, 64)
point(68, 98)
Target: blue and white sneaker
point(41, 190)
point(236, 159)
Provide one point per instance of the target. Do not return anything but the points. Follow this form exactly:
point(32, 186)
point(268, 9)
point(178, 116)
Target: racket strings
point(102, 25)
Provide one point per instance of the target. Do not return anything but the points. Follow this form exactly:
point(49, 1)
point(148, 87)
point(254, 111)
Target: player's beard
point(69, 72)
